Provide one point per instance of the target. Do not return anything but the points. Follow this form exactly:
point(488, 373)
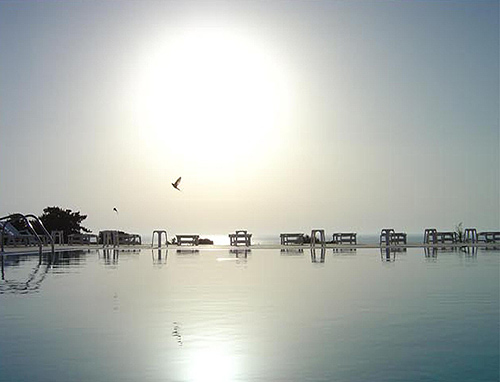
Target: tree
point(57, 219)
point(459, 230)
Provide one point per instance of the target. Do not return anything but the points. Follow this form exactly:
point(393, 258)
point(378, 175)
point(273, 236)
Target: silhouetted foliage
point(57, 219)
point(459, 230)
point(19, 224)
point(204, 241)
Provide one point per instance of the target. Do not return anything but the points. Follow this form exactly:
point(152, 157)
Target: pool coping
point(68, 248)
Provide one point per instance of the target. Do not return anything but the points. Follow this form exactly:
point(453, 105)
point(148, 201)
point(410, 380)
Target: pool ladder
point(18, 216)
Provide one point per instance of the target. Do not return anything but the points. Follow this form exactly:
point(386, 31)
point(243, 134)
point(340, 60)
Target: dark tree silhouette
point(459, 230)
point(57, 219)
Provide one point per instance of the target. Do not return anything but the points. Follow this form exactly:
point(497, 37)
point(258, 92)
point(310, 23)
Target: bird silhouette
point(114, 209)
point(176, 184)
point(176, 333)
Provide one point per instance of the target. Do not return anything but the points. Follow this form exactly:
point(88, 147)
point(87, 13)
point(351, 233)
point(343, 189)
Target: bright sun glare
point(214, 92)
point(212, 365)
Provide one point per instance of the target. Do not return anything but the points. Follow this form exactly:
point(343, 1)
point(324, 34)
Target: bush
point(57, 219)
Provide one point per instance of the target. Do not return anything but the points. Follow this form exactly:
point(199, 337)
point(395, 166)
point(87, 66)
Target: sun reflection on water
point(212, 364)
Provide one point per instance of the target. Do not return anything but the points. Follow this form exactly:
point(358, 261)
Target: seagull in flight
point(176, 184)
point(114, 209)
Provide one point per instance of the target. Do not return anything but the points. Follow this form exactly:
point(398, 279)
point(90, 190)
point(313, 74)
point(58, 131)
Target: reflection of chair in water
point(430, 252)
point(240, 253)
point(292, 251)
point(187, 251)
point(110, 255)
point(469, 251)
point(388, 254)
point(314, 255)
point(160, 258)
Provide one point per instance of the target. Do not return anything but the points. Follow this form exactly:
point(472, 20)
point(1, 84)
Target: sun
point(214, 91)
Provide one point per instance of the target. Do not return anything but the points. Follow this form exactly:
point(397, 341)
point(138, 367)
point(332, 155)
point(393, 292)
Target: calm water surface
point(264, 315)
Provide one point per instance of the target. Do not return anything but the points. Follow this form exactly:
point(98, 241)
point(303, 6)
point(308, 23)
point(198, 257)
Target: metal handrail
point(30, 226)
point(51, 239)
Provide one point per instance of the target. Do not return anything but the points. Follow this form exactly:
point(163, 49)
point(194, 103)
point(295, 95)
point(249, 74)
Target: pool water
point(259, 315)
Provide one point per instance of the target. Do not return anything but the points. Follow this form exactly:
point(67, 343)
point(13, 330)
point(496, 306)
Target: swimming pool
point(259, 315)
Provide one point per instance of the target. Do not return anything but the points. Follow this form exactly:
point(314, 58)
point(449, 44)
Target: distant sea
point(274, 239)
point(270, 239)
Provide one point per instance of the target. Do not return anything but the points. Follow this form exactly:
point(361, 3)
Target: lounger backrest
point(9, 229)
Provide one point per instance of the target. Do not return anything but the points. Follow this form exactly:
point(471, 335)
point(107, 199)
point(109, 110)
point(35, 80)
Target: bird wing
point(177, 181)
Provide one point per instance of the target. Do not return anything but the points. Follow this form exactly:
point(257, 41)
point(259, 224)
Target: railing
point(51, 239)
point(30, 227)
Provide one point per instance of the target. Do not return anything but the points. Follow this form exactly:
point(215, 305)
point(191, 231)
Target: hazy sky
point(279, 116)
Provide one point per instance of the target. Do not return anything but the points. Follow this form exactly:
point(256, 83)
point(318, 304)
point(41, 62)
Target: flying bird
point(114, 209)
point(176, 184)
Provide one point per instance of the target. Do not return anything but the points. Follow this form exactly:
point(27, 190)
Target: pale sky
point(279, 116)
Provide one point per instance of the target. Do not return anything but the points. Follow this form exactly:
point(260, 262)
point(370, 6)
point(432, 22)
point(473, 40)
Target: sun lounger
point(187, 239)
point(240, 238)
point(292, 238)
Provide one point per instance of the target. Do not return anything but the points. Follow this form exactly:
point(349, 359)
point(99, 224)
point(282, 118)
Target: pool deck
point(33, 250)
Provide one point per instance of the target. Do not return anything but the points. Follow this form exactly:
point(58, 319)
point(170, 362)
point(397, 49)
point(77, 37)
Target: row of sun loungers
point(388, 237)
point(470, 235)
point(11, 236)
point(107, 238)
point(238, 238)
point(318, 235)
point(82, 239)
